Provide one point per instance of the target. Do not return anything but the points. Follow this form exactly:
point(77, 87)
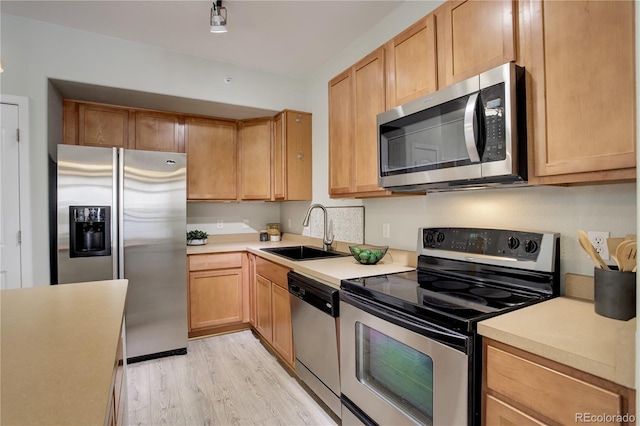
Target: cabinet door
point(298, 156)
point(411, 63)
point(255, 159)
point(474, 36)
point(582, 67)
point(369, 97)
point(341, 133)
point(104, 126)
point(211, 159)
point(156, 131)
point(119, 388)
point(263, 307)
point(282, 327)
point(215, 298)
point(252, 288)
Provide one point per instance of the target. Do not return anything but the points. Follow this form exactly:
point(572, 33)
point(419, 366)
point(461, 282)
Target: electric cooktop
point(465, 275)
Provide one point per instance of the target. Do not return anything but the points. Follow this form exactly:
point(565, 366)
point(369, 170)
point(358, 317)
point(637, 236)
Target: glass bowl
point(368, 254)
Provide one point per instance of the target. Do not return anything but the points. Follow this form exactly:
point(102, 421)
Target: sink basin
point(302, 252)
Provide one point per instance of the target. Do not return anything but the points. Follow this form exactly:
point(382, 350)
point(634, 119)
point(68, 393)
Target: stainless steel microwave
point(470, 134)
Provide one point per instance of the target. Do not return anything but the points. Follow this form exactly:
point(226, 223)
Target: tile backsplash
point(345, 224)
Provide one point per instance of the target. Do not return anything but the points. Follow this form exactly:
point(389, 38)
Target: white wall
point(209, 217)
point(556, 209)
point(33, 52)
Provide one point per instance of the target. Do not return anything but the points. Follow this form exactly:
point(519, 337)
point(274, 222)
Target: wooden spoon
point(586, 245)
point(612, 245)
point(626, 254)
point(619, 248)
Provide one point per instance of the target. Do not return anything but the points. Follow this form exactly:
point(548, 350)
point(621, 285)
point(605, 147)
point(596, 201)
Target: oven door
point(401, 370)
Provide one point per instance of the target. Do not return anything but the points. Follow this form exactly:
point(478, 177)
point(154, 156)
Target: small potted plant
point(196, 238)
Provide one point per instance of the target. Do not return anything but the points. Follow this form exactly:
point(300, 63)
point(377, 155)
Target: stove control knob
point(428, 238)
point(440, 237)
point(513, 242)
point(530, 246)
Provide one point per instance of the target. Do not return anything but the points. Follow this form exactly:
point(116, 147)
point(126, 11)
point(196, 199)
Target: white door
point(10, 259)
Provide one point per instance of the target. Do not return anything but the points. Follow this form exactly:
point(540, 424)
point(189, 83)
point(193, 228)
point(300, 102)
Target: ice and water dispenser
point(90, 231)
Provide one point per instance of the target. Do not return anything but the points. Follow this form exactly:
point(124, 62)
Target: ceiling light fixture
point(218, 17)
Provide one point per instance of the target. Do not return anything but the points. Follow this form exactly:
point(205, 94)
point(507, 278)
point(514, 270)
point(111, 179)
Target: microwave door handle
point(470, 129)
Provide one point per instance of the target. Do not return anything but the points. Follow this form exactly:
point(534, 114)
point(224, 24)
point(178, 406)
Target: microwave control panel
point(492, 99)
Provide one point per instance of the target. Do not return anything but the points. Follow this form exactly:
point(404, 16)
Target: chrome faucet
point(326, 241)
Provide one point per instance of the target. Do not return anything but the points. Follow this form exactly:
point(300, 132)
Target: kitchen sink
point(303, 252)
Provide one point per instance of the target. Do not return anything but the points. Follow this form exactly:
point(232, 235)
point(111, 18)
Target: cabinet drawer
point(541, 389)
point(203, 262)
point(272, 271)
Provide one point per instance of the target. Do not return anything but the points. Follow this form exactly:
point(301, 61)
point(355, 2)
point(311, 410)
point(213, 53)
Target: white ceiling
point(287, 37)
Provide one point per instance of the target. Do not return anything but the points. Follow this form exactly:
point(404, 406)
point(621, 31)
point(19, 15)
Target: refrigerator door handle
point(115, 230)
point(120, 210)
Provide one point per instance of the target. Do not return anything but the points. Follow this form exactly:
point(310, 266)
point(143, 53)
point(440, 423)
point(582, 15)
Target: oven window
point(398, 373)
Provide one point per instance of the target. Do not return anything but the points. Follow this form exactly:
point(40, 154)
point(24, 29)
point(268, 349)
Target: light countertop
point(328, 270)
point(59, 347)
point(568, 331)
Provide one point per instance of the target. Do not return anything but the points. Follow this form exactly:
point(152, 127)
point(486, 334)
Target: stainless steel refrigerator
point(122, 214)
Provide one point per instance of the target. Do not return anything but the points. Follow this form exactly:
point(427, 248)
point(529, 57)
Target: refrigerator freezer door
point(86, 177)
point(154, 229)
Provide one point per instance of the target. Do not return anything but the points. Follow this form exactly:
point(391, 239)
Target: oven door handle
point(440, 334)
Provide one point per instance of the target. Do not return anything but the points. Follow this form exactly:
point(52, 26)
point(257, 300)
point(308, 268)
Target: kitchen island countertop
point(568, 331)
point(59, 347)
point(328, 270)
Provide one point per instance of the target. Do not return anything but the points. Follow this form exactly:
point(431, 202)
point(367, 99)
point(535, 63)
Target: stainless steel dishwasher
point(314, 313)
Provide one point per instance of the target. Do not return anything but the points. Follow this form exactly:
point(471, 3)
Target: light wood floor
point(223, 380)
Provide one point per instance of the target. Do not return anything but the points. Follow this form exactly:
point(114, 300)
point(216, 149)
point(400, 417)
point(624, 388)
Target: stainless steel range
point(409, 350)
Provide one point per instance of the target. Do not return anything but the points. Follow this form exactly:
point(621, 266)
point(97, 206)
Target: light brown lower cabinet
point(218, 293)
point(272, 308)
point(520, 388)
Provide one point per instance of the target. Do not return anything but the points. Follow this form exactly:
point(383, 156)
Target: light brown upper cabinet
point(159, 131)
point(96, 125)
point(341, 112)
point(411, 63)
point(292, 163)
point(92, 124)
point(211, 159)
point(474, 36)
point(255, 158)
point(356, 97)
point(581, 108)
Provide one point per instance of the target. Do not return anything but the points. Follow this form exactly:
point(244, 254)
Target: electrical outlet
point(245, 223)
point(386, 230)
point(220, 224)
point(599, 241)
point(289, 223)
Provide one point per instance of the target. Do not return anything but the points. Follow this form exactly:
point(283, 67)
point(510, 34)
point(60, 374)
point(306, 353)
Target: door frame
point(26, 248)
